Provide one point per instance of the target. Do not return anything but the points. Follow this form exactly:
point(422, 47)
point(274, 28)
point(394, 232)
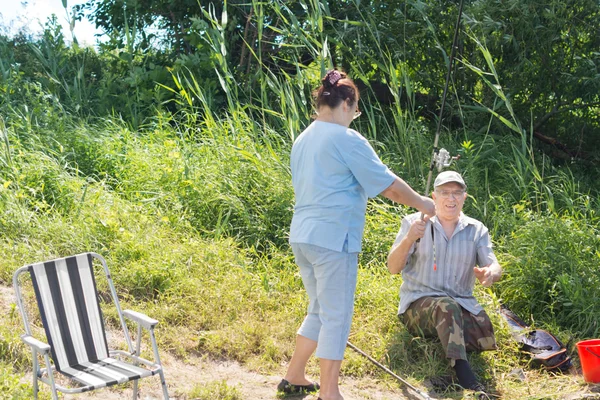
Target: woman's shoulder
point(354, 133)
point(332, 127)
point(320, 133)
point(350, 135)
point(333, 131)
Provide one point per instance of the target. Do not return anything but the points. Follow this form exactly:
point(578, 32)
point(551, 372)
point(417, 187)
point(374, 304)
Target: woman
point(334, 171)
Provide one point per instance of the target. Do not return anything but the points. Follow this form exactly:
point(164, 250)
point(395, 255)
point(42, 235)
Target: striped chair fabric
point(66, 293)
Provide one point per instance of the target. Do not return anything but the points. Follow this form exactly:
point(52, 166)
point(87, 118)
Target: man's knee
point(487, 343)
point(481, 331)
point(448, 303)
point(488, 339)
point(448, 310)
point(432, 315)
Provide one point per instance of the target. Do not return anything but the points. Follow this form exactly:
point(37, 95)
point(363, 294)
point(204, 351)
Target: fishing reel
point(442, 159)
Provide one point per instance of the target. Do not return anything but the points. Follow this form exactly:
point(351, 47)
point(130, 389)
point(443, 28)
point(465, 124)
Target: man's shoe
point(289, 388)
point(441, 383)
point(480, 391)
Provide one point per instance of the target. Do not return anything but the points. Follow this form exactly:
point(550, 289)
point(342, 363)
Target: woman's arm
point(400, 192)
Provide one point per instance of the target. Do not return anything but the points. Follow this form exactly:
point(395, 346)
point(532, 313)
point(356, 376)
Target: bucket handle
point(591, 352)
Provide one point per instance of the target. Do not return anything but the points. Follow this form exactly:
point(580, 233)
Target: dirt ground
point(181, 377)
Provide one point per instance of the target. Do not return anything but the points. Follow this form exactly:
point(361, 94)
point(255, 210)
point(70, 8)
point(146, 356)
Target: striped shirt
point(453, 275)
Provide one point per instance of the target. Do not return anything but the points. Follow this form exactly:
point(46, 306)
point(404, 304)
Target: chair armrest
point(36, 344)
point(141, 319)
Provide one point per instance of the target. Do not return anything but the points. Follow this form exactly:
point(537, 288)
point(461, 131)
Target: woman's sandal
point(289, 388)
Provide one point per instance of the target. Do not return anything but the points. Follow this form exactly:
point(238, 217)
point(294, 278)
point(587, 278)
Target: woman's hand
point(428, 206)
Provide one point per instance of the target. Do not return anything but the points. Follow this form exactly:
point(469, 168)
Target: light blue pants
point(329, 278)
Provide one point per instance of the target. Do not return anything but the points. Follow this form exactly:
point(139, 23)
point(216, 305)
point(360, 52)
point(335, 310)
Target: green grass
point(217, 390)
point(11, 386)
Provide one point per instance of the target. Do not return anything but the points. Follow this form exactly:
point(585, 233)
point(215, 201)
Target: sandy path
point(181, 377)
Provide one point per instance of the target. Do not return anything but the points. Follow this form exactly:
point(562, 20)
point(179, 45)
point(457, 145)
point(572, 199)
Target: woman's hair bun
point(331, 78)
point(336, 87)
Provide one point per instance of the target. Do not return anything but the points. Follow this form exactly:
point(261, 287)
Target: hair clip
point(332, 77)
point(326, 93)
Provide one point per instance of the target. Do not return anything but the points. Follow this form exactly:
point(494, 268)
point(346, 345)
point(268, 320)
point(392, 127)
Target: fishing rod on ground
point(421, 393)
point(441, 159)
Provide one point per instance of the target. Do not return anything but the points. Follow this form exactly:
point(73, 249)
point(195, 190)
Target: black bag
point(544, 348)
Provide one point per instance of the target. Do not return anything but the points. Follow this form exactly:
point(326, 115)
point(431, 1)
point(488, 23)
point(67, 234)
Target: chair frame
point(46, 375)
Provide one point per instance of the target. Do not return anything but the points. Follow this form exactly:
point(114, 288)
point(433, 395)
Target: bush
point(551, 273)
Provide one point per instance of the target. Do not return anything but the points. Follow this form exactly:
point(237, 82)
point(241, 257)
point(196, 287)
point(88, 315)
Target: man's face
point(449, 199)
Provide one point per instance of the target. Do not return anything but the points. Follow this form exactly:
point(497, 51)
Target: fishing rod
point(421, 393)
point(440, 158)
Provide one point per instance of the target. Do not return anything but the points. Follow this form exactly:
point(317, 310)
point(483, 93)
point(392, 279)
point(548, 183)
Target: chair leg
point(35, 388)
point(164, 385)
point(138, 344)
point(36, 369)
point(157, 360)
point(51, 377)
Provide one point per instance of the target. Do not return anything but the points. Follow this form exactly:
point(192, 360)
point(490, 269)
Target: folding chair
point(67, 298)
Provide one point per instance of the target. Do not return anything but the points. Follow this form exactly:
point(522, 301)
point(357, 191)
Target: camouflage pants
point(458, 330)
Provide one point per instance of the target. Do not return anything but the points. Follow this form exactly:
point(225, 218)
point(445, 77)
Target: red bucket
point(589, 355)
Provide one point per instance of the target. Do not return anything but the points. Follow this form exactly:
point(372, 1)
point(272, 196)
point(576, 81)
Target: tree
point(546, 53)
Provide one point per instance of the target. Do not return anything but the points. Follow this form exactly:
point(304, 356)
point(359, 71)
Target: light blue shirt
point(334, 171)
point(453, 275)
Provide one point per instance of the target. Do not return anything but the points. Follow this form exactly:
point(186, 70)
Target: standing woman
point(334, 171)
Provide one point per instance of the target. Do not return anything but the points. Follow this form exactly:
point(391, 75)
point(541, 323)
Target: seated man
point(437, 259)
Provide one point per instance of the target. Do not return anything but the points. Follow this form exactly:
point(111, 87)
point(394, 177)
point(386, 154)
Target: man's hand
point(417, 229)
point(486, 275)
point(399, 253)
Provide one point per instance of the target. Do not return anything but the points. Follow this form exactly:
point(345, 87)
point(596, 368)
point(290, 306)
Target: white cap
point(449, 176)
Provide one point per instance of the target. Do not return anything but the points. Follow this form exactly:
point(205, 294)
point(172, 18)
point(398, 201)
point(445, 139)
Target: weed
point(217, 390)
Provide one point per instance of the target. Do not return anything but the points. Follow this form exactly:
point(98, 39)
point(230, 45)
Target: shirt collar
point(463, 222)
